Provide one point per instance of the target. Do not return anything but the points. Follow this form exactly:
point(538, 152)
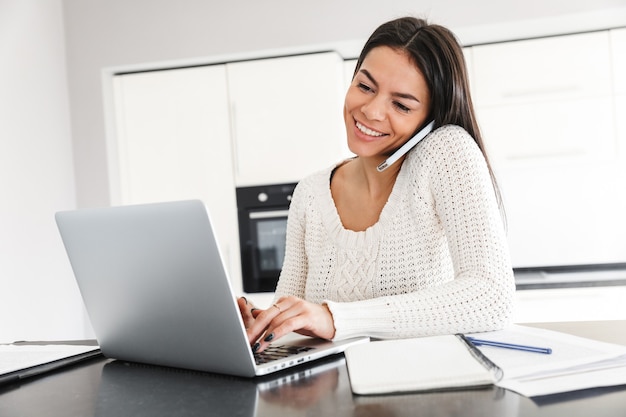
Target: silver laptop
point(156, 290)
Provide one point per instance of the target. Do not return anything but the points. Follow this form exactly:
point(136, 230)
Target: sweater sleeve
point(479, 297)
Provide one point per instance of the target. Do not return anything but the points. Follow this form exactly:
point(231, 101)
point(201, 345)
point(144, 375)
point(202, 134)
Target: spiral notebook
point(419, 364)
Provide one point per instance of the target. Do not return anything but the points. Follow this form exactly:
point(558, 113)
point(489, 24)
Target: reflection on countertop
point(321, 389)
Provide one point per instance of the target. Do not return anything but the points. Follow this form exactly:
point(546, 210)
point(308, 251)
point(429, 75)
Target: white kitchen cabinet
point(618, 47)
point(544, 133)
point(552, 112)
point(547, 111)
point(173, 143)
point(620, 110)
point(546, 99)
point(546, 69)
point(286, 116)
point(349, 67)
point(570, 304)
point(468, 54)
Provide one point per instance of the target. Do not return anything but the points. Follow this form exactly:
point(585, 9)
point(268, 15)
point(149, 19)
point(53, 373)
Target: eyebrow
point(401, 95)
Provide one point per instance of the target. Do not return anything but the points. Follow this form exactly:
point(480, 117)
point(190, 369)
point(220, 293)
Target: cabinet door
point(620, 110)
point(547, 69)
point(349, 66)
point(468, 54)
point(287, 119)
point(547, 112)
point(618, 44)
point(173, 143)
point(545, 98)
point(618, 47)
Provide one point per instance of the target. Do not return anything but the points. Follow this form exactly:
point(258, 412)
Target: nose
point(374, 109)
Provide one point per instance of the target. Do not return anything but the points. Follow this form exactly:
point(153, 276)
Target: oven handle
point(268, 214)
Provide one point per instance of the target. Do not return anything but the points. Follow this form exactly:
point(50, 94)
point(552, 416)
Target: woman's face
point(386, 102)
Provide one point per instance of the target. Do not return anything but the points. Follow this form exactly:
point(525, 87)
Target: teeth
point(368, 131)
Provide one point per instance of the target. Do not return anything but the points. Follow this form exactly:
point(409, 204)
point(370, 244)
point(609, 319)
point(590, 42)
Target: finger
point(262, 321)
point(286, 318)
point(246, 310)
point(242, 304)
point(278, 330)
point(262, 318)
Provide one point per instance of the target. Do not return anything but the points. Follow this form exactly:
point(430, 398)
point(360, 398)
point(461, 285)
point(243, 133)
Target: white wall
point(38, 297)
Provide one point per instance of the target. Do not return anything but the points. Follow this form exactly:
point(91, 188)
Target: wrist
point(332, 321)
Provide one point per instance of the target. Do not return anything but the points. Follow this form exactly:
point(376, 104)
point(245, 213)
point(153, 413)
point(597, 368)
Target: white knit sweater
point(436, 262)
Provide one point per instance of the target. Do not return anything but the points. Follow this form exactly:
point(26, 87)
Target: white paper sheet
point(17, 357)
point(575, 363)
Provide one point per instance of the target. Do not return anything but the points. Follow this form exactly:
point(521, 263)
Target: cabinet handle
point(233, 138)
point(547, 91)
point(565, 153)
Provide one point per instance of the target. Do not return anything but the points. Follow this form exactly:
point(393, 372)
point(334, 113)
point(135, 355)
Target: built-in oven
point(262, 213)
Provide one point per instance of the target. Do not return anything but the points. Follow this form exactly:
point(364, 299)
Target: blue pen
point(482, 342)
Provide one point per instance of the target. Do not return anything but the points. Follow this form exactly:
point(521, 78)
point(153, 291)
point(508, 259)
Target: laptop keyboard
point(274, 352)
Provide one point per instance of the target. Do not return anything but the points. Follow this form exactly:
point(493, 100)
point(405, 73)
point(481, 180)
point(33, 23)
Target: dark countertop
point(103, 387)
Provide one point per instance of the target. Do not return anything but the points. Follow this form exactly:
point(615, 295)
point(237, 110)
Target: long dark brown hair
point(437, 53)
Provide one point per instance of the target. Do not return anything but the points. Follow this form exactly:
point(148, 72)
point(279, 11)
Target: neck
point(377, 182)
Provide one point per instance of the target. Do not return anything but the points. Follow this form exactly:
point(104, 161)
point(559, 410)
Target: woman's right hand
point(286, 315)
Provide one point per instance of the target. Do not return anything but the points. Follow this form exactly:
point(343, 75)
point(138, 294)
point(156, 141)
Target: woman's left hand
point(248, 311)
point(290, 314)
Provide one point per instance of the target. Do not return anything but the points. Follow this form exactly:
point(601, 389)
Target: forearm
point(463, 305)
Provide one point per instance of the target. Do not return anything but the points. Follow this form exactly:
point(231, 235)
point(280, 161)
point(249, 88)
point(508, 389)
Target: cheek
point(348, 122)
point(348, 107)
point(351, 100)
point(347, 118)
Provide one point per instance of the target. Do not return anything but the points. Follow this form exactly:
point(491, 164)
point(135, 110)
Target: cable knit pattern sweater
point(436, 262)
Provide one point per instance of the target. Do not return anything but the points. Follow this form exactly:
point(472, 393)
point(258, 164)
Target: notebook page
point(428, 363)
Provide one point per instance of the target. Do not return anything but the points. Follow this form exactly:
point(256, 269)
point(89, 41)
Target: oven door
point(262, 240)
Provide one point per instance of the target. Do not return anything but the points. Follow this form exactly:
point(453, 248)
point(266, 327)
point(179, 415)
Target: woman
point(417, 249)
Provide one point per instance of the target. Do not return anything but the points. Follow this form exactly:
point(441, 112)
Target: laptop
point(156, 291)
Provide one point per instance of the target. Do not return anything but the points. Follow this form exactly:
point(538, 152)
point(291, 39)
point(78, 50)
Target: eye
point(364, 87)
point(401, 107)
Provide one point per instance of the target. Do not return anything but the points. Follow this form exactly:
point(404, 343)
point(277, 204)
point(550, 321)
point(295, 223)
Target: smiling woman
point(388, 97)
point(416, 249)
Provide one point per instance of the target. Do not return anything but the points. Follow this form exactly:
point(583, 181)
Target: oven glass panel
point(271, 243)
point(262, 212)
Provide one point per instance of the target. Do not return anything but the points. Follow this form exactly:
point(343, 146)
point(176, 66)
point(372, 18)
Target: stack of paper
point(575, 362)
point(24, 360)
